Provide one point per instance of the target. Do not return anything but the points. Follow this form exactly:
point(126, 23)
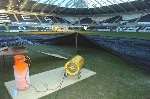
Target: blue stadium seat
point(145, 18)
point(3, 29)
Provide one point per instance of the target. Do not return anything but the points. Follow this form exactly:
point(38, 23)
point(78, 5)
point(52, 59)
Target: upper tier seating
point(99, 28)
point(2, 29)
point(27, 18)
point(4, 17)
point(145, 18)
point(132, 20)
point(59, 20)
point(52, 19)
point(44, 19)
point(86, 21)
point(13, 27)
point(21, 28)
point(114, 19)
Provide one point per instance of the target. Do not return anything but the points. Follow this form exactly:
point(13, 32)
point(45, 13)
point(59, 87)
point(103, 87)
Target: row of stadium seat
point(93, 28)
point(2, 28)
point(115, 19)
point(5, 17)
point(22, 22)
point(120, 29)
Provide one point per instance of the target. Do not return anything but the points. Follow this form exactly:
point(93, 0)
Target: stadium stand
point(123, 17)
point(22, 28)
point(133, 24)
point(145, 18)
point(99, 28)
point(14, 28)
point(132, 20)
point(59, 20)
point(43, 28)
point(85, 21)
point(27, 18)
point(4, 18)
point(3, 29)
point(144, 29)
point(44, 19)
point(114, 19)
point(52, 19)
point(127, 29)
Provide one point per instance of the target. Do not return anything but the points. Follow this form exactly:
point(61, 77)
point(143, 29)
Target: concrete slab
point(46, 83)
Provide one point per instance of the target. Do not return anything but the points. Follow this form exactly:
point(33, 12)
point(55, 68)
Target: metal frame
point(65, 4)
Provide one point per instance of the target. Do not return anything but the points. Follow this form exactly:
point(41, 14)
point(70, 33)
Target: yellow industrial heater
point(73, 66)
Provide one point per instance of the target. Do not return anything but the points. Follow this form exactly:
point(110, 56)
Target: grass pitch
point(137, 35)
point(115, 78)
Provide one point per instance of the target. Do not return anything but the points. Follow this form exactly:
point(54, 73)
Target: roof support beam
point(49, 4)
point(115, 2)
point(34, 6)
point(109, 6)
point(60, 3)
point(104, 10)
point(129, 2)
point(23, 4)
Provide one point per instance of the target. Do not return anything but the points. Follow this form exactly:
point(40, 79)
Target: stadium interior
point(112, 35)
point(21, 16)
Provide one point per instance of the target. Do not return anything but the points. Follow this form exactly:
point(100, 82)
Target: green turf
point(115, 78)
point(138, 35)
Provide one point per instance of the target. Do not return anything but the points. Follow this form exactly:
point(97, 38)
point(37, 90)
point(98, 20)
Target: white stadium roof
point(82, 3)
